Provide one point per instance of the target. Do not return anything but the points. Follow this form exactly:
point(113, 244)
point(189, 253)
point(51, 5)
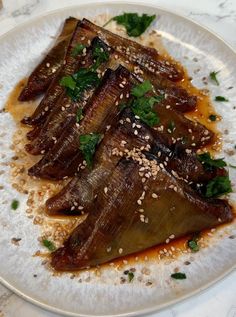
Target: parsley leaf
point(218, 186)
point(210, 163)
point(141, 89)
point(100, 55)
point(212, 117)
point(135, 25)
point(78, 49)
point(193, 243)
point(214, 78)
point(179, 276)
point(85, 78)
point(88, 143)
point(79, 115)
point(142, 106)
point(14, 204)
point(221, 98)
point(68, 82)
point(49, 244)
point(79, 82)
point(130, 276)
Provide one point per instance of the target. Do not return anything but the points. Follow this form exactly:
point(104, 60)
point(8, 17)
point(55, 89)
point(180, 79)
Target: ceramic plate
point(201, 52)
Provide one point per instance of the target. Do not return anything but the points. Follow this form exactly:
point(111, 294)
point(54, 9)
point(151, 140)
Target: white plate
point(20, 50)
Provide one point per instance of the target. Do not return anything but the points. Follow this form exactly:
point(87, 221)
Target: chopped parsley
point(88, 143)
point(68, 82)
point(85, 78)
point(134, 24)
point(14, 204)
point(221, 98)
point(141, 89)
point(193, 243)
point(79, 115)
point(78, 49)
point(100, 55)
point(143, 106)
point(212, 117)
point(209, 162)
point(214, 78)
point(179, 276)
point(77, 83)
point(130, 275)
point(218, 186)
point(49, 245)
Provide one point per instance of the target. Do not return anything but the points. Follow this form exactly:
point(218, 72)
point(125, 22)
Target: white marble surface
point(218, 15)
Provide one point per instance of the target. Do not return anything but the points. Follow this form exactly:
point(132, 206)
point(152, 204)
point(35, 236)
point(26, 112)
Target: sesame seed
point(120, 250)
point(154, 195)
point(105, 190)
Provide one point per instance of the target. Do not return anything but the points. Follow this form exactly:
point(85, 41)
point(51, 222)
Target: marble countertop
point(219, 16)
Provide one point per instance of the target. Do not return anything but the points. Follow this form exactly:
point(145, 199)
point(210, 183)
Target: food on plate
point(114, 119)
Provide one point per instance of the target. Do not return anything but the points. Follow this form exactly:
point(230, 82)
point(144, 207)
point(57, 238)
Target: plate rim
point(154, 308)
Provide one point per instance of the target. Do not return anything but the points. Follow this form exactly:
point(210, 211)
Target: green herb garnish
point(79, 82)
point(68, 82)
point(209, 162)
point(130, 276)
point(49, 245)
point(221, 98)
point(78, 49)
point(179, 276)
point(212, 117)
point(214, 78)
point(142, 106)
point(141, 89)
point(14, 204)
point(218, 186)
point(85, 78)
point(100, 55)
point(171, 126)
point(193, 243)
point(135, 25)
point(79, 115)
point(88, 143)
